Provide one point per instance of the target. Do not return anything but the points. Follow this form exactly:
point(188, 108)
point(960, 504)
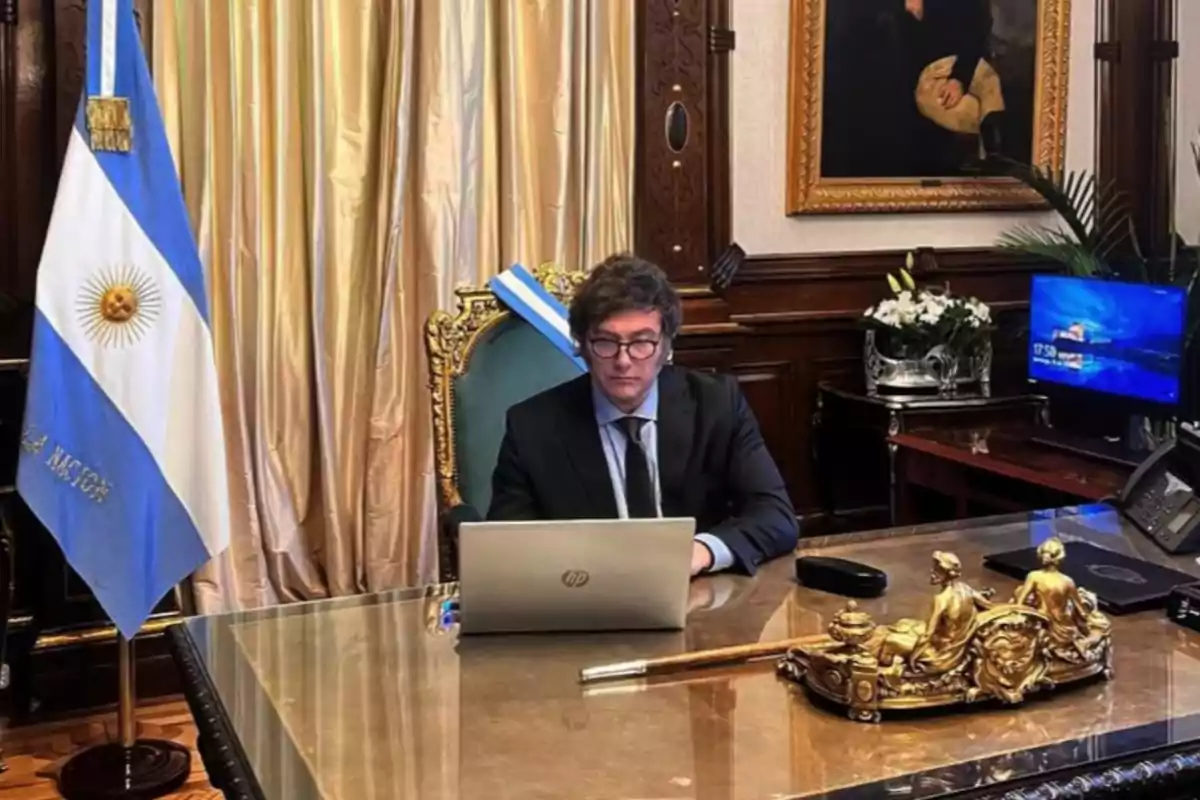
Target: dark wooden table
point(988, 470)
point(856, 462)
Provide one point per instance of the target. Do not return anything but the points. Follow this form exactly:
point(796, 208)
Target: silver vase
point(939, 370)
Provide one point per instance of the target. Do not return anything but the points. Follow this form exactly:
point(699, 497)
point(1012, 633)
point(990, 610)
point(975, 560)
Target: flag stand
point(131, 768)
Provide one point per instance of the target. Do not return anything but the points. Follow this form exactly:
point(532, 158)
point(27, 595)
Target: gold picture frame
point(808, 192)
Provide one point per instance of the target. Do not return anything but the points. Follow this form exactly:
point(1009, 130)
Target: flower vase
point(940, 370)
point(945, 365)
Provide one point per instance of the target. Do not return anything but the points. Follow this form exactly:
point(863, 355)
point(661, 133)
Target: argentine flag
point(122, 451)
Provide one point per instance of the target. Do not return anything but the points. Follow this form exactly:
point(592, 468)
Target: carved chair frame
point(450, 338)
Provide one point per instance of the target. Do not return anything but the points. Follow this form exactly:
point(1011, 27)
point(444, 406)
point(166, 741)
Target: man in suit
point(636, 437)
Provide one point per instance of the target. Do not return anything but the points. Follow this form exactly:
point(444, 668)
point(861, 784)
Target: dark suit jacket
point(712, 462)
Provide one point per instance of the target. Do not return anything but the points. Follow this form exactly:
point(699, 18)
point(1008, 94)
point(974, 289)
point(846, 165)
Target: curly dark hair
point(624, 282)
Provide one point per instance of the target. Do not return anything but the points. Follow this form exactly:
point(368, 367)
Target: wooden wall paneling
point(672, 184)
point(27, 162)
point(841, 286)
point(770, 390)
point(721, 41)
point(705, 357)
point(1135, 55)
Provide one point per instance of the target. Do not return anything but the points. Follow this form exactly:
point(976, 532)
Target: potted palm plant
point(1097, 238)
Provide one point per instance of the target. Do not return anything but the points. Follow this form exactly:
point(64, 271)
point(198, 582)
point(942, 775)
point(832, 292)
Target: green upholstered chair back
point(509, 363)
point(482, 360)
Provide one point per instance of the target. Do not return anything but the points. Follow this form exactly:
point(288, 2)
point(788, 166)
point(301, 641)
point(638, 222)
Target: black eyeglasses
point(638, 349)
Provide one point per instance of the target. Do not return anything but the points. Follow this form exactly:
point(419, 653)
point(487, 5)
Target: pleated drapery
point(346, 165)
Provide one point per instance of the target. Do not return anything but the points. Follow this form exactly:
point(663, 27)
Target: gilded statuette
point(969, 649)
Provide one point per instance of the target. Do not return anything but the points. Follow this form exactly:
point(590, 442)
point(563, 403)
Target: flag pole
point(129, 767)
point(127, 705)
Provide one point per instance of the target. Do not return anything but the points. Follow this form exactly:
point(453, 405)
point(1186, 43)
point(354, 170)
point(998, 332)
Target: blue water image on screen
point(1121, 338)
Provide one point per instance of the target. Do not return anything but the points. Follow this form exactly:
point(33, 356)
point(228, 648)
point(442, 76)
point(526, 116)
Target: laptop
point(574, 575)
point(1123, 584)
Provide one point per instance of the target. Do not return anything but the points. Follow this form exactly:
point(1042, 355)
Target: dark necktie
point(639, 488)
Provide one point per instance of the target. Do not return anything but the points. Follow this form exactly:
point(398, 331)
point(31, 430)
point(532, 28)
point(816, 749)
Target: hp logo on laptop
point(575, 578)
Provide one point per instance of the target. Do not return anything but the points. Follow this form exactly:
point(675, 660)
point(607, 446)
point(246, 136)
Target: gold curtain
point(346, 165)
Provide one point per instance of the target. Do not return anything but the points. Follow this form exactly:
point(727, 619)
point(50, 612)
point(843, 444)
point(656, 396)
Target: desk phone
point(1161, 497)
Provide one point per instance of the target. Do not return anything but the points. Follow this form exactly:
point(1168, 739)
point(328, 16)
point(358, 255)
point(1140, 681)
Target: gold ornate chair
point(482, 360)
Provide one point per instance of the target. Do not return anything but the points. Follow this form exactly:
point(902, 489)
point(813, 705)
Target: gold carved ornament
point(969, 650)
point(809, 193)
point(450, 339)
point(110, 125)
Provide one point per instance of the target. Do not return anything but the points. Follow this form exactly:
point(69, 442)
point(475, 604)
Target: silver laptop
point(574, 575)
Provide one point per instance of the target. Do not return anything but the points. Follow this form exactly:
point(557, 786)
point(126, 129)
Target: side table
point(856, 464)
point(1000, 471)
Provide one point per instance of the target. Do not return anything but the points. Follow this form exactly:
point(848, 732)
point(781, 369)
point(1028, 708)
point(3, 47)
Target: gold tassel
point(109, 124)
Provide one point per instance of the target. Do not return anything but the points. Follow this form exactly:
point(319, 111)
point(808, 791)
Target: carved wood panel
point(1135, 110)
point(673, 149)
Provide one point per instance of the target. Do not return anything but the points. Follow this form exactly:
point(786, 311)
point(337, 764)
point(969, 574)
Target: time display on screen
point(1044, 350)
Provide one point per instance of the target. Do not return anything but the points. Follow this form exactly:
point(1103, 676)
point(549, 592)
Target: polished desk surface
point(1012, 452)
point(377, 697)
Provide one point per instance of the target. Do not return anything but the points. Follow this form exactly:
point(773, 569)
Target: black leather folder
point(1123, 584)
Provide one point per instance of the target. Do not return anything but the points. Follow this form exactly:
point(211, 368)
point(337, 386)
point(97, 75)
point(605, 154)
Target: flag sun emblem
point(118, 305)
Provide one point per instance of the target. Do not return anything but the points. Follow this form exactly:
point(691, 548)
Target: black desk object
point(1183, 606)
point(840, 576)
point(1162, 497)
point(1123, 584)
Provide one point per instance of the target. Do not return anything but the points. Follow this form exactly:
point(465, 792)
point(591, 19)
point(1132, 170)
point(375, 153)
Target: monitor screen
point(1123, 339)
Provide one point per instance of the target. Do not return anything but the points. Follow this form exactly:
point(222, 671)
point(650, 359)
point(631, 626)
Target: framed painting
point(894, 104)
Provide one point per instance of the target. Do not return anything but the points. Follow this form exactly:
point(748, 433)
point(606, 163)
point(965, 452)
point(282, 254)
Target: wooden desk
point(988, 471)
point(377, 697)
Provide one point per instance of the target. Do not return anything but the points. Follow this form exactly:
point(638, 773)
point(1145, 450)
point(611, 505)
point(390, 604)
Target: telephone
point(1162, 497)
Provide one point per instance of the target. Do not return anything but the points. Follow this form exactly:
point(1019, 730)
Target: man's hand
point(951, 93)
point(702, 558)
point(915, 7)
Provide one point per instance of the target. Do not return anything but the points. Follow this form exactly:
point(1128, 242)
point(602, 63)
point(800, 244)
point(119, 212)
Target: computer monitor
point(1122, 340)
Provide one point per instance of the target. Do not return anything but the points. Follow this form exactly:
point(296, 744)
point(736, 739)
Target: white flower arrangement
point(926, 308)
point(915, 320)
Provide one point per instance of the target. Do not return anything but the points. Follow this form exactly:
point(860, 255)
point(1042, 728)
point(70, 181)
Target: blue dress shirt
point(613, 440)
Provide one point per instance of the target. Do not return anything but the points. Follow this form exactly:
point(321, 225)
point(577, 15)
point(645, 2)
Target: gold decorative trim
point(102, 633)
point(809, 193)
point(449, 341)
